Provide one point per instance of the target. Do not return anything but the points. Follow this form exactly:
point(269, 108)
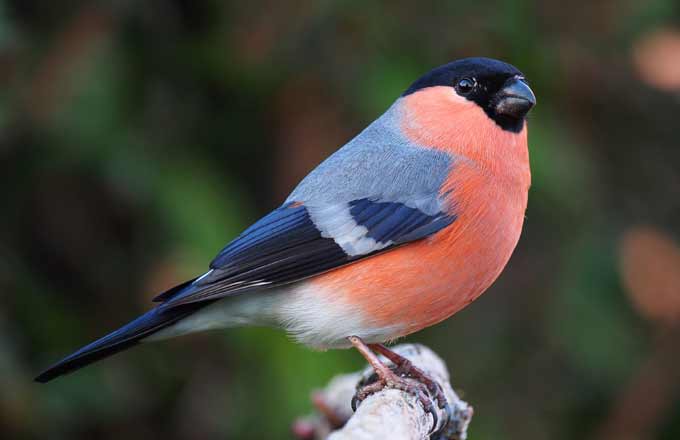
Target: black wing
point(295, 242)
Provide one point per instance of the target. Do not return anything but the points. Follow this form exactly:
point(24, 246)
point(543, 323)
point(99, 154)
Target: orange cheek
point(439, 118)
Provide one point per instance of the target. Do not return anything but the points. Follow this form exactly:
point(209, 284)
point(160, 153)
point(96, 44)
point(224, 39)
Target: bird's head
point(498, 88)
point(472, 107)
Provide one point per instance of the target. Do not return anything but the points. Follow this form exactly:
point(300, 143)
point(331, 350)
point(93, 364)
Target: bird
point(403, 226)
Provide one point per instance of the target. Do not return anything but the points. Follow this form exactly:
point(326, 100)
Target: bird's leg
point(405, 367)
point(388, 378)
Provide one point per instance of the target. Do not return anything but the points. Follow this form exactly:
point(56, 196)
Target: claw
point(355, 403)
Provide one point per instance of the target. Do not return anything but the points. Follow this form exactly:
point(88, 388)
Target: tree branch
point(388, 413)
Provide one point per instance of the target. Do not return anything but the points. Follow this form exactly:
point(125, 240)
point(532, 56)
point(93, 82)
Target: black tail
point(123, 338)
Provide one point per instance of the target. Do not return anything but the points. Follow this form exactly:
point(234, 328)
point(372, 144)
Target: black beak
point(515, 99)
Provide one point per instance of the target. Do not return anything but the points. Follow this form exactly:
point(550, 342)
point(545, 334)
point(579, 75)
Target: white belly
point(317, 319)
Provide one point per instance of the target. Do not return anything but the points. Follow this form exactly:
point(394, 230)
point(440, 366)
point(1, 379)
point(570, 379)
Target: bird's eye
point(466, 85)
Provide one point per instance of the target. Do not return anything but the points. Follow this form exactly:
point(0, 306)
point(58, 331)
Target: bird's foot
point(406, 368)
point(403, 375)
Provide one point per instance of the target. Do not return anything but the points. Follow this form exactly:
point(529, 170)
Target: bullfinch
point(399, 229)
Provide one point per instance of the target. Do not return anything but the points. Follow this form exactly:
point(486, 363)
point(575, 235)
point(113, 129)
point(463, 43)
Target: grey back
point(382, 164)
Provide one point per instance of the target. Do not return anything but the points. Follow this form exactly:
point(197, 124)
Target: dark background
point(137, 138)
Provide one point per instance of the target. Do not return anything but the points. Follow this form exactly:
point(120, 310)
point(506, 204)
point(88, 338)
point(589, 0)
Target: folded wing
point(297, 241)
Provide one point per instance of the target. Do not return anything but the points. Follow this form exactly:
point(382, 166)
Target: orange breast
point(422, 283)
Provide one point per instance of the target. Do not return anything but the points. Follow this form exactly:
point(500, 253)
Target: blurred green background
point(137, 138)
